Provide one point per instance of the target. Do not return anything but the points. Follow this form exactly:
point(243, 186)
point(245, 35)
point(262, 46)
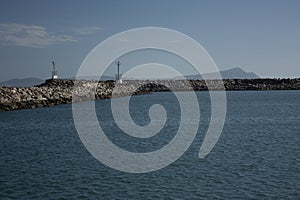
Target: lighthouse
point(118, 75)
point(54, 72)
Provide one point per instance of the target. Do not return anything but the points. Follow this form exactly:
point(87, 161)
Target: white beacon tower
point(54, 72)
point(118, 75)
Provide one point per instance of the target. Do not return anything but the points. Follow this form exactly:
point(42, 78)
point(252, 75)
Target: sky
point(258, 36)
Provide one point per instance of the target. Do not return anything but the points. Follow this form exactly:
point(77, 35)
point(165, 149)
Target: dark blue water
point(256, 157)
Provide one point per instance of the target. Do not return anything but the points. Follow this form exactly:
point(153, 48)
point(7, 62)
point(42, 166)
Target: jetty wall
point(54, 92)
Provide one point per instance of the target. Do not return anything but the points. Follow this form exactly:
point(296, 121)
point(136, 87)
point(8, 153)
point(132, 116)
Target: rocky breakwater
point(262, 84)
point(227, 84)
point(55, 92)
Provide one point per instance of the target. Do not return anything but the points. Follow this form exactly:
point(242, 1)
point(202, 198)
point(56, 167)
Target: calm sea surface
point(256, 157)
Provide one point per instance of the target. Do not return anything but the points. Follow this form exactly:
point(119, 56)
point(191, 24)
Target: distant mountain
point(234, 73)
point(24, 82)
point(103, 78)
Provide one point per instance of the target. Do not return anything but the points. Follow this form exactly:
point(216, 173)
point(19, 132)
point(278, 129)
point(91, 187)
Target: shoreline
point(60, 91)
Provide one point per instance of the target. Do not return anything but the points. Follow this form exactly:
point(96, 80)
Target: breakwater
point(54, 92)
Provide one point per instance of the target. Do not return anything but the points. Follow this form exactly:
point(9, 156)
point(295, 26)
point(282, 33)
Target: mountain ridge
point(22, 82)
point(233, 73)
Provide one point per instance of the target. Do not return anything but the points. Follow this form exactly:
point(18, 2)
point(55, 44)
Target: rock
point(54, 92)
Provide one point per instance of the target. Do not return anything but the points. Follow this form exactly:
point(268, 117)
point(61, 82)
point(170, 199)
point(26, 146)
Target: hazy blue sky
point(258, 36)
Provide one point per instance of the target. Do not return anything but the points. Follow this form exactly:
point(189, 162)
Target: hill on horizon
point(22, 82)
point(233, 73)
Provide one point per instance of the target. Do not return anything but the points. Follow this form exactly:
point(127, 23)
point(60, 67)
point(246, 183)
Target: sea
point(256, 157)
